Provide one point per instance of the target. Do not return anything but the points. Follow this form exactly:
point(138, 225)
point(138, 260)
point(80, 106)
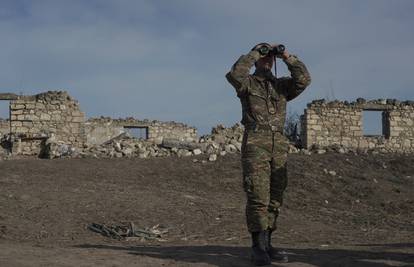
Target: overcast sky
point(166, 60)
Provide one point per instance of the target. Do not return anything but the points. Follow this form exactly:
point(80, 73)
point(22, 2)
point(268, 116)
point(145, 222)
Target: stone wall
point(326, 124)
point(36, 118)
point(100, 130)
point(54, 118)
point(4, 127)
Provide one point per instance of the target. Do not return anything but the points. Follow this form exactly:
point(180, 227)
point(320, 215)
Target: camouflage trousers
point(264, 156)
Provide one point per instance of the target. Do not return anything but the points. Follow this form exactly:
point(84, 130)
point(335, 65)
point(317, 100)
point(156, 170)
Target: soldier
point(264, 149)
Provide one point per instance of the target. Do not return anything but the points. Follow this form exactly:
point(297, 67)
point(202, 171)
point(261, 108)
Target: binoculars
point(266, 50)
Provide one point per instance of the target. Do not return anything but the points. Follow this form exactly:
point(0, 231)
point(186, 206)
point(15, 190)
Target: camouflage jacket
point(264, 97)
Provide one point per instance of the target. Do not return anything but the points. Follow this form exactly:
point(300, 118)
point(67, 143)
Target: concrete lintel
point(376, 107)
point(8, 96)
point(133, 125)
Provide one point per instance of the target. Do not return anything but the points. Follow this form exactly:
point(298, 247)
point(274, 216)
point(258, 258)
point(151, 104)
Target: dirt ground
point(340, 210)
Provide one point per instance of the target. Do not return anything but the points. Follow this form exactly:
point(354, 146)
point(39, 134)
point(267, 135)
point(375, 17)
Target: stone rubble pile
point(210, 147)
point(125, 146)
point(221, 141)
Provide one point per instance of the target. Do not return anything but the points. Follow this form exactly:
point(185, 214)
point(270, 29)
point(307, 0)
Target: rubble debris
point(212, 157)
point(170, 143)
point(220, 142)
point(125, 145)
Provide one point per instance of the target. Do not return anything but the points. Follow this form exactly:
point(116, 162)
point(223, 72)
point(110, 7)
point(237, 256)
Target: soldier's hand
point(284, 55)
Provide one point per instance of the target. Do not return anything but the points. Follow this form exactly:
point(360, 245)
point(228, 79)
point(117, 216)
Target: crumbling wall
point(4, 127)
point(100, 130)
point(221, 141)
point(340, 123)
point(36, 118)
point(157, 131)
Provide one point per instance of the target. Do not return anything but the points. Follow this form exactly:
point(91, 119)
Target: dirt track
point(363, 215)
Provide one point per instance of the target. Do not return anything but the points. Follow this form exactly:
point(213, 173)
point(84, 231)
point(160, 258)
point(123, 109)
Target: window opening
point(373, 123)
point(4, 117)
point(137, 132)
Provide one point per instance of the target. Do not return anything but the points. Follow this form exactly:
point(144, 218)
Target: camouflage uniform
point(264, 149)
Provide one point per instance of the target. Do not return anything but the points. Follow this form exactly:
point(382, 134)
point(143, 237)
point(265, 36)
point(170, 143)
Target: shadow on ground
point(225, 256)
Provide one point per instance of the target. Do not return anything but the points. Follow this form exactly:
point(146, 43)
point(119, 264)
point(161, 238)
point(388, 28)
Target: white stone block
point(315, 127)
point(78, 119)
point(197, 151)
point(212, 157)
point(45, 117)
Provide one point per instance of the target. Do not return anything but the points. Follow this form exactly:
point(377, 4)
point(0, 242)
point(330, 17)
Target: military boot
point(274, 253)
point(259, 256)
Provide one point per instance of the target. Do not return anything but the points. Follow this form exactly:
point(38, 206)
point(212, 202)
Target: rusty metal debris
point(128, 231)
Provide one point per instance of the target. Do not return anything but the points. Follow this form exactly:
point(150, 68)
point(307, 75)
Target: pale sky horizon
point(166, 60)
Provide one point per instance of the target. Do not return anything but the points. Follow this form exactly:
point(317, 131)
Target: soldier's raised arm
point(299, 80)
point(238, 76)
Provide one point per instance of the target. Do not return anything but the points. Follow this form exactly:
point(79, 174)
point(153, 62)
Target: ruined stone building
point(55, 114)
point(99, 130)
point(341, 123)
point(35, 120)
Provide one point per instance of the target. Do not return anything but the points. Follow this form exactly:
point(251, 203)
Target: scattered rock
point(197, 151)
point(183, 153)
point(220, 142)
point(57, 149)
point(305, 152)
point(127, 152)
point(212, 157)
point(333, 173)
point(321, 151)
point(230, 148)
point(293, 149)
point(341, 150)
point(117, 146)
